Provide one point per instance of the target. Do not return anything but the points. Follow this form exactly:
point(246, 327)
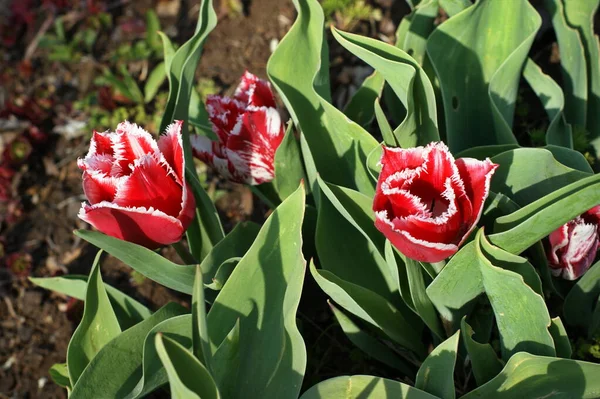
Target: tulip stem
point(263, 196)
point(438, 266)
point(184, 254)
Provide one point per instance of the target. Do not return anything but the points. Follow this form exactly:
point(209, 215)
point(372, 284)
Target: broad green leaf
point(573, 64)
point(128, 310)
point(384, 126)
point(458, 284)
point(333, 139)
point(524, 227)
point(580, 15)
point(528, 174)
point(523, 324)
point(152, 28)
point(235, 244)
point(420, 23)
point(357, 255)
point(408, 81)
point(436, 374)
point(149, 263)
point(188, 378)
point(289, 171)
point(263, 293)
point(399, 274)
point(200, 345)
point(479, 86)
point(117, 367)
point(484, 362)
point(154, 82)
point(423, 305)
point(530, 376)
point(360, 108)
point(222, 275)
point(98, 325)
point(206, 229)
point(369, 344)
point(226, 359)
point(132, 87)
point(453, 7)
point(561, 340)
point(559, 132)
point(364, 386)
point(60, 375)
point(579, 304)
point(181, 67)
point(372, 308)
point(178, 328)
point(198, 116)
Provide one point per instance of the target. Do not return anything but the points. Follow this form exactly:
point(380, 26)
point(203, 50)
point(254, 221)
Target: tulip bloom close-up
point(426, 202)
point(574, 245)
point(135, 186)
point(249, 130)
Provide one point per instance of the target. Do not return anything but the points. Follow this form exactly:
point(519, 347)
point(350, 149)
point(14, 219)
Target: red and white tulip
point(136, 187)
point(249, 130)
point(574, 245)
point(426, 202)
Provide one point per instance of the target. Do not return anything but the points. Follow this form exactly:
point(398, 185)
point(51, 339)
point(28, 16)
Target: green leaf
point(128, 310)
point(579, 304)
point(357, 255)
point(384, 126)
point(132, 87)
point(117, 367)
point(529, 376)
point(188, 378)
point(181, 67)
point(561, 340)
point(408, 81)
point(573, 64)
point(523, 324)
point(149, 263)
point(372, 308)
point(152, 28)
point(484, 362)
point(263, 293)
point(333, 139)
point(436, 374)
point(154, 82)
point(453, 7)
point(423, 305)
point(60, 375)
point(580, 15)
point(480, 87)
point(369, 344)
point(288, 165)
point(524, 227)
point(178, 328)
point(359, 107)
point(364, 386)
point(198, 116)
point(206, 229)
point(518, 179)
point(226, 359)
point(98, 325)
point(235, 244)
point(559, 132)
point(200, 344)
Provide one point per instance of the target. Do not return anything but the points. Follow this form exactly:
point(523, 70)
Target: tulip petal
point(100, 144)
point(407, 163)
point(414, 248)
point(476, 176)
point(129, 143)
point(559, 239)
point(99, 187)
point(224, 114)
point(150, 185)
point(580, 251)
point(171, 146)
point(148, 227)
point(253, 91)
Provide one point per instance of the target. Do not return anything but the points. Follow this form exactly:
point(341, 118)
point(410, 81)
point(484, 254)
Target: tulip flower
point(249, 130)
point(136, 187)
point(574, 245)
point(427, 203)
